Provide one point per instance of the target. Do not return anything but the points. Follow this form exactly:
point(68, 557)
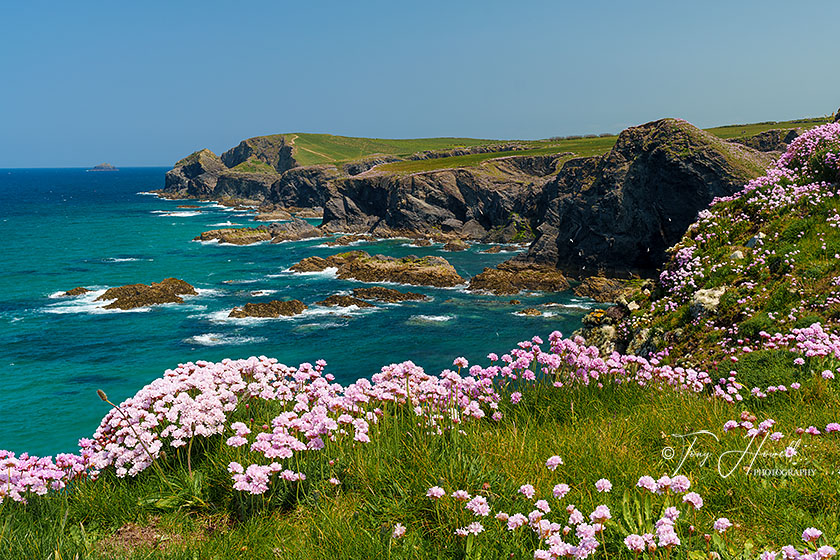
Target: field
point(311, 149)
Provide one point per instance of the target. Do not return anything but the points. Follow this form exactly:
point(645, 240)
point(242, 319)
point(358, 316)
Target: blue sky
point(145, 83)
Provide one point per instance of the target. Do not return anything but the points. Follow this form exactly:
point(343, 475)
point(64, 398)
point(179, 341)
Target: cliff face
point(475, 203)
point(271, 150)
point(620, 211)
point(195, 175)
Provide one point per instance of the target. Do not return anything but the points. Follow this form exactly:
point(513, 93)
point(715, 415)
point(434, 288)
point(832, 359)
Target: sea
point(63, 228)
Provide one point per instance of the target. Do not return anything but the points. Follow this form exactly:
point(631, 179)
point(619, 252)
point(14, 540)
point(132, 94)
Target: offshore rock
point(238, 236)
point(343, 301)
point(511, 277)
point(358, 265)
point(271, 309)
point(386, 295)
point(76, 291)
point(141, 295)
point(456, 245)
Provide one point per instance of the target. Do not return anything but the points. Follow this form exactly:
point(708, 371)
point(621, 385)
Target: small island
point(103, 167)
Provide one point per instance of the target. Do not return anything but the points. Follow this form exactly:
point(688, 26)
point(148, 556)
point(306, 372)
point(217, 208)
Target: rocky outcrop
point(78, 291)
point(272, 150)
point(604, 290)
point(360, 166)
point(619, 212)
point(343, 301)
point(345, 240)
point(456, 245)
point(511, 277)
point(273, 215)
point(776, 140)
point(238, 236)
point(251, 186)
point(358, 265)
point(294, 230)
point(387, 295)
point(142, 295)
point(195, 175)
point(493, 250)
point(530, 312)
point(270, 309)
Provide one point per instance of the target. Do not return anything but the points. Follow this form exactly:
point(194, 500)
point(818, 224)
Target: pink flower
point(516, 521)
point(479, 506)
point(811, 534)
point(435, 492)
point(694, 499)
point(560, 490)
point(601, 514)
point(542, 505)
point(461, 362)
point(603, 485)
point(722, 524)
point(515, 397)
point(634, 543)
point(680, 483)
point(553, 462)
point(647, 482)
point(527, 490)
point(461, 495)
point(399, 531)
point(790, 452)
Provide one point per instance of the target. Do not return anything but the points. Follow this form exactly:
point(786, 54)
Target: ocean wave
point(181, 214)
point(217, 339)
point(123, 259)
point(329, 272)
point(430, 318)
point(147, 193)
point(228, 223)
point(258, 293)
point(207, 292)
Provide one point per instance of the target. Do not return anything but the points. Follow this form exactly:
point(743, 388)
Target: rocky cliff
point(495, 201)
point(620, 211)
point(617, 212)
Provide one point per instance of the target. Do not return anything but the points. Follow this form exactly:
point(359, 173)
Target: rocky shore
point(270, 309)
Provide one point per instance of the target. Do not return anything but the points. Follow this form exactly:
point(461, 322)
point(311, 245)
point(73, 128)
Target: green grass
point(618, 432)
point(741, 130)
point(312, 149)
point(253, 165)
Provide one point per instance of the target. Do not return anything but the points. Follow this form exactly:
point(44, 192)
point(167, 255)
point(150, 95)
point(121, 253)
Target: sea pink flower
point(811, 534)
point(722, 524)
point(694, 499)
point(399, 531)
point(553, 462)
point(560, 490)
point(542, 505)
point(634, 543)
point(461, 495)
point(436, 492)
point(527, 490)
point(603, 485)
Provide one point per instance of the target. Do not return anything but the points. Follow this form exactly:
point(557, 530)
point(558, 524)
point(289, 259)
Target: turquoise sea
point(62, 228)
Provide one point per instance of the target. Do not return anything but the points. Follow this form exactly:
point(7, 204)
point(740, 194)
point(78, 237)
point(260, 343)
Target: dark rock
point(776, 140)
point(345, 240)
point(271, 309)
point(295, 230)
point(141, 295)
point(530, 312)
point(76, 291)
point(603, 289)
point(195, 175)
point(387, 295)
point(271, 150)
point(421, 242)
point(619, 212)
point(252, 186)
point(837, 116)
point(360, 166)
point(511, 277)
point(514, 302)
point(456, 245)
point(343, 301)
point(493, 250)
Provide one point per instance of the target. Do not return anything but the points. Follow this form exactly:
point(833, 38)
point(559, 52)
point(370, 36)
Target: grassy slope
point(324, 148)
point(618, 433)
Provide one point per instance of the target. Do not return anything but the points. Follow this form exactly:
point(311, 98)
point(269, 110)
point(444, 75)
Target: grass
point(741, 130)
point(618, 432)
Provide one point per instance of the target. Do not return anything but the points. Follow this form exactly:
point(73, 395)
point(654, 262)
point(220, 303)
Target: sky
point(146, 83)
